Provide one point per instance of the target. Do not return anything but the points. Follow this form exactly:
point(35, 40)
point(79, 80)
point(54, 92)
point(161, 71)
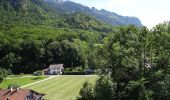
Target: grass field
point(63, 87)
point(20, 81)
point(15, 76)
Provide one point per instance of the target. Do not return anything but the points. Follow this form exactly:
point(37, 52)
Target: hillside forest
point(133, 62)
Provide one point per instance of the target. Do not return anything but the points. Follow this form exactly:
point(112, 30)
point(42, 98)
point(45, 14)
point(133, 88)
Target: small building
point(20, 94)
point(54, 69)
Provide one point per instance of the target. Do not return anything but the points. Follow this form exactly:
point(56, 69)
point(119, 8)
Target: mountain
point(33, 35)
point(34, 13)
point(103, 15)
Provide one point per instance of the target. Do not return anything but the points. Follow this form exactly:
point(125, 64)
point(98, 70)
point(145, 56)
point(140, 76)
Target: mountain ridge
point(36, 13)
point(108, 17)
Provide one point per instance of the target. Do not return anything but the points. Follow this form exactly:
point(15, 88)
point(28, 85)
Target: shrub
point(105, 89)
point(38, 73)
point(14, 86)
point(86, 93)
point(79, 69)
point(1, 79)
point(21, 74)
point(74, 73)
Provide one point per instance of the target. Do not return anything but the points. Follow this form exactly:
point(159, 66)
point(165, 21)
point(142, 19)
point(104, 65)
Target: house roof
point(56, 66)
point(15, 94)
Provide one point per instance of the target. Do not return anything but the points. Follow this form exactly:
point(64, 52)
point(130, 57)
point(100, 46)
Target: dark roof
point(15, 94)
point(56, 66)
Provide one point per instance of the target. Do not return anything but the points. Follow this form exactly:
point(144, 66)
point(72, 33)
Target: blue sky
point(150, 12)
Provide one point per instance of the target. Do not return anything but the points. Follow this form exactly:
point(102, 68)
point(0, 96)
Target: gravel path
point(50, 77)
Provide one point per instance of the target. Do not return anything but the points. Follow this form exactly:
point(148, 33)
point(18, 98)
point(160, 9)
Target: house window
point(39, 98)
point(31, 95)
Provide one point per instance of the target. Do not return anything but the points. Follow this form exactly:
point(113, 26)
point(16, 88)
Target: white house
point(54, 69)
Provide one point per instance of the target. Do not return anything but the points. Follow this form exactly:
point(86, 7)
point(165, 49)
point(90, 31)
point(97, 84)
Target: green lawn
point(20, 81)
point(63, 87)
point(15, 76)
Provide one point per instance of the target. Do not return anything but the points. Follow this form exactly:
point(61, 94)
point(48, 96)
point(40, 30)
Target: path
point(50, 77)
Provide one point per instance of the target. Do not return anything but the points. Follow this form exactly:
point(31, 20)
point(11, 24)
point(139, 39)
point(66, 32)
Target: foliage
point(38, 73)
point(14, 86)
point(86, 92)
point(42, 36)
point(134, 63)
point(1, 79)
point(4, 73)
point(105, 89)
point(138, 61)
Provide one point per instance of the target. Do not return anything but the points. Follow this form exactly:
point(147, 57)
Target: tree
point(136, 90)
point(86, 93)
point(1, 78)
point(8, 61)
point(3, 74)
point(105, 89)
point(55, 52)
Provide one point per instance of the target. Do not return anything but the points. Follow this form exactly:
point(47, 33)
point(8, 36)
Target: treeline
point(137, 65)
point(25, 50)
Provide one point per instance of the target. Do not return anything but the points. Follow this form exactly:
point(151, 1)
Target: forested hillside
point(103, 15)
point(32, 36)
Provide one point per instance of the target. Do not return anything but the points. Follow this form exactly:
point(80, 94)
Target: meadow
point(21, 81)
point(63, 87)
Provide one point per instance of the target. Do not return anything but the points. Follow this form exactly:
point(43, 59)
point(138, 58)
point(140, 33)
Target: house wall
point(55, 71)
point(33, 96)
point(37, 97)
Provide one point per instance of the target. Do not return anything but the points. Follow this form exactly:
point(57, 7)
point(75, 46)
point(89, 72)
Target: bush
point(21, 74)
point(1, 79)
point(38, 73)
point(74, 73)
point(105, 89)
point(14, 86)
point(79, 69)
point(86, 93)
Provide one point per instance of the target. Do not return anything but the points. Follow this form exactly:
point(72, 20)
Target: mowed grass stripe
point(79, 86)
point(72, 91)
point(42, 86)
point(74, 88)
point(64, 94)
point(60, 89)
point(57, 90)
point(63, 87)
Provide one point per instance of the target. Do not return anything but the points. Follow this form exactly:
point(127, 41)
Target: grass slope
point(20, 81)
point(63, 87)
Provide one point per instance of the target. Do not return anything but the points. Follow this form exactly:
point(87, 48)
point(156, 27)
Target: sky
point(150, 12)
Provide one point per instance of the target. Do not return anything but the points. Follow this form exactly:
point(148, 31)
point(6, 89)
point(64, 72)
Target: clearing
point(64, 87)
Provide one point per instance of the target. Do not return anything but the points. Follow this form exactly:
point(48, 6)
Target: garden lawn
point(20, 81)
point(63, 87)
point(17, 76)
